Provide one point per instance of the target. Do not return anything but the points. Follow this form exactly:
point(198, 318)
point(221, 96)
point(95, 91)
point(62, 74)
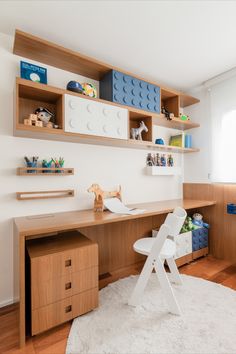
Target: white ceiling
point(178, 43)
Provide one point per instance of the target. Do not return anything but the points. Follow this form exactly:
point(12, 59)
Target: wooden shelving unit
point(30, 95)
point(43, 171)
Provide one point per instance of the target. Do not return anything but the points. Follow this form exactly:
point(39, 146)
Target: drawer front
point(89, 117)
point(64, 263)
point(84, 302)
point(55, 289)
point(52, 315)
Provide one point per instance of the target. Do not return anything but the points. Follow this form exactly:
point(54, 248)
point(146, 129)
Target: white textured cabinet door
point(85, 116)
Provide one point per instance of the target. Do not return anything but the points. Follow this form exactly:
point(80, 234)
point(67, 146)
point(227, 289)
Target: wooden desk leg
point(22, 291)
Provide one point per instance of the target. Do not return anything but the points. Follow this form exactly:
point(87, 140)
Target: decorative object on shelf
point(58, 163)
point(47, 164)
point(184, 117)
point(136, 133)
point(31, 164)
point(159, 161)
point(159, 141)
point(33, 121)
point(33, 72)
point(45, 194)
point(163, 160)
point(188, 141)
point(168, 115)
point(45, 115)
point(231, 208)
point(100, 195)
point(198, 221)
point(125, 89)
point(89, 89)
point(177, 140)
point(74, 86)
point(150, 160)
point(170, 161)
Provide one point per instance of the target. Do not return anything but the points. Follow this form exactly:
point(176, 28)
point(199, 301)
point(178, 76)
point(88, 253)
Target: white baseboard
point(6, 303)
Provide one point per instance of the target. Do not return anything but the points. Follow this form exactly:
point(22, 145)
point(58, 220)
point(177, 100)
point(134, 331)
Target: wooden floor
point(54, 341)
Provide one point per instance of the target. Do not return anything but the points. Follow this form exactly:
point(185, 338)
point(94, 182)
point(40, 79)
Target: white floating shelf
point(163, 171)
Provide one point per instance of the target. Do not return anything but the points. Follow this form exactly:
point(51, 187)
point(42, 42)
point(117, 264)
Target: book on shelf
point(177, 140)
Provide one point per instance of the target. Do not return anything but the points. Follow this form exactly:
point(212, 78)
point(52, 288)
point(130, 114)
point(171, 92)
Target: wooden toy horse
point(136, 133)
point(100, 195)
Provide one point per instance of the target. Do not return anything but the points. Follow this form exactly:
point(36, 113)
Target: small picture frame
point(33, 72)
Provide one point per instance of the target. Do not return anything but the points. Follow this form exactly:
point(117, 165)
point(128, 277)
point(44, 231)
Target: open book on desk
point(117, 207)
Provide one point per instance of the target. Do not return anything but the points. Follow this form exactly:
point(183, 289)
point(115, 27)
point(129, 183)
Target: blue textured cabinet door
point(200, 238)
point(127, 90)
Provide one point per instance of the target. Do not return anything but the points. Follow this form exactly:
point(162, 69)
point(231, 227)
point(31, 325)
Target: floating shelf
point(41, 50)
point(35, 171)
point(163, 171)
point(45, 194)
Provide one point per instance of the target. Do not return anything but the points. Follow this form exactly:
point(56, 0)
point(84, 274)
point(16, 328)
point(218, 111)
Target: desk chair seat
point(158, 250)
point(144, 246)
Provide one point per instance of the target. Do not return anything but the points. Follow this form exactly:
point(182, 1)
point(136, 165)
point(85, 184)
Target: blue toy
point(74, 86)
point(197, 220)
point(159, 141)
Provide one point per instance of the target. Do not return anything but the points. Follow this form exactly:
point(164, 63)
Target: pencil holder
point(30, 165)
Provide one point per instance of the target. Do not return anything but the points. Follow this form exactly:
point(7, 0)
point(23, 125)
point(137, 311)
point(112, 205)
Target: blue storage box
point(199, 238)
point(127, 90)
point(231, 208)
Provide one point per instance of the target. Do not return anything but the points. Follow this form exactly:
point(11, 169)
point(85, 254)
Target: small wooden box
point(63, 279)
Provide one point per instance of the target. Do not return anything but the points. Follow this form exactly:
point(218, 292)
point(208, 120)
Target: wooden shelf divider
point(45, 194)
point(44, 171)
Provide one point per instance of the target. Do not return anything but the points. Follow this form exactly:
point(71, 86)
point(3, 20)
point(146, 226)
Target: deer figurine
point(136, 133)
point(100, 195)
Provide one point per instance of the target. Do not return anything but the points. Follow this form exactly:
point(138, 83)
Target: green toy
point(184, 117)
point(188, 225)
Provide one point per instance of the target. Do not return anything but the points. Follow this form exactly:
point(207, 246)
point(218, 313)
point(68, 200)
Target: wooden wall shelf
point(31, 95)
point(35, 48)
point(43, 171)
point(45, 194)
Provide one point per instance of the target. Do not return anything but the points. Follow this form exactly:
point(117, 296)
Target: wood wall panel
point(223, 225)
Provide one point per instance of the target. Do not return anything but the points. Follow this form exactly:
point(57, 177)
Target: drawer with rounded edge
point(55, 289)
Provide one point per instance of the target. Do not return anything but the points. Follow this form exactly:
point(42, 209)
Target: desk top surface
point(46, 223)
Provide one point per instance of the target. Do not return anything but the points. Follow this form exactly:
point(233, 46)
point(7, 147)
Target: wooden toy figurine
point(100, 195)
point(136, 133)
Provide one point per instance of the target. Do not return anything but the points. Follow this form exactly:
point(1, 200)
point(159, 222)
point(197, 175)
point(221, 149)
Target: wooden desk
point(115, 235)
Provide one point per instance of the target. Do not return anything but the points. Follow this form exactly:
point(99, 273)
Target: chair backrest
point(163, 232)
point(176, 220)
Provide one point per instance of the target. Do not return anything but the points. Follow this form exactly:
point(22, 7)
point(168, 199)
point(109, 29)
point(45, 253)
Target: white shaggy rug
point(208, 323)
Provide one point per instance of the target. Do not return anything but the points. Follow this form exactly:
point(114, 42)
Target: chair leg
point(174, 272)
point(166, 287)
point(141, 283)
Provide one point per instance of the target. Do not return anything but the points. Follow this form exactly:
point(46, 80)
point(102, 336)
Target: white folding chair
point(158, 249)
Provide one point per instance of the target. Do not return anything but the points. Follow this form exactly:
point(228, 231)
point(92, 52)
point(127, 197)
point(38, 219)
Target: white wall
point(105, 165)
point(197, 166)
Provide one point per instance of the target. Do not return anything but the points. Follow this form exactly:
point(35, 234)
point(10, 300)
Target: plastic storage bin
point(199, 238)
point(127, 90)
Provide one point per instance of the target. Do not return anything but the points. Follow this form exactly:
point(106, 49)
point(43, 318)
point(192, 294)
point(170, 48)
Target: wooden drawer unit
point(54, 314)
point(63, 279)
